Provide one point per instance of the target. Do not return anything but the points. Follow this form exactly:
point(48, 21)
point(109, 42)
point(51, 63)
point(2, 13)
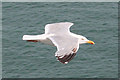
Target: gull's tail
point(33, 38)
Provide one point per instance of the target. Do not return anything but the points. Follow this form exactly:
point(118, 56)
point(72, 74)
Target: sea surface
point(96, 21)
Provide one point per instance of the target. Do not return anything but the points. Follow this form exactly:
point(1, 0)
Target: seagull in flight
point(59, 35)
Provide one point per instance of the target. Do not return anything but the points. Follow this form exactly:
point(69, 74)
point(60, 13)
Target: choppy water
point(96, 21)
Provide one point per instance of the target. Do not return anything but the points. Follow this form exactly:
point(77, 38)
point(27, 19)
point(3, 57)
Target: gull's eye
point(82, 39)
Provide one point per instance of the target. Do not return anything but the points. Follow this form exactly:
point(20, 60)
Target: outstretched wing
point(57, 28)
point(67, 47)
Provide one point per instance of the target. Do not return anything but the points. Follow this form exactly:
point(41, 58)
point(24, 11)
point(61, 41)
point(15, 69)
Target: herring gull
point(59, 35)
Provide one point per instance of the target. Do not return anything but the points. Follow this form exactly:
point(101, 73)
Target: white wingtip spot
point(61, 57)
point(66, 62)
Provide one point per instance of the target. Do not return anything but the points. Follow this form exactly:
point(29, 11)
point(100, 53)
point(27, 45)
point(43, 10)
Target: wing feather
point(66, 58)
point(57, 28)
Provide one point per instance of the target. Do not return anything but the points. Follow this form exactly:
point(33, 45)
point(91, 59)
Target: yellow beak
point(90, 42)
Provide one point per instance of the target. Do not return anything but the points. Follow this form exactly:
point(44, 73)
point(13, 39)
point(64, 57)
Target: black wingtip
point(66, 59)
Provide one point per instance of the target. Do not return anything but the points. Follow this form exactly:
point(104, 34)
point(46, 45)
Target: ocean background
point(96, 21)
